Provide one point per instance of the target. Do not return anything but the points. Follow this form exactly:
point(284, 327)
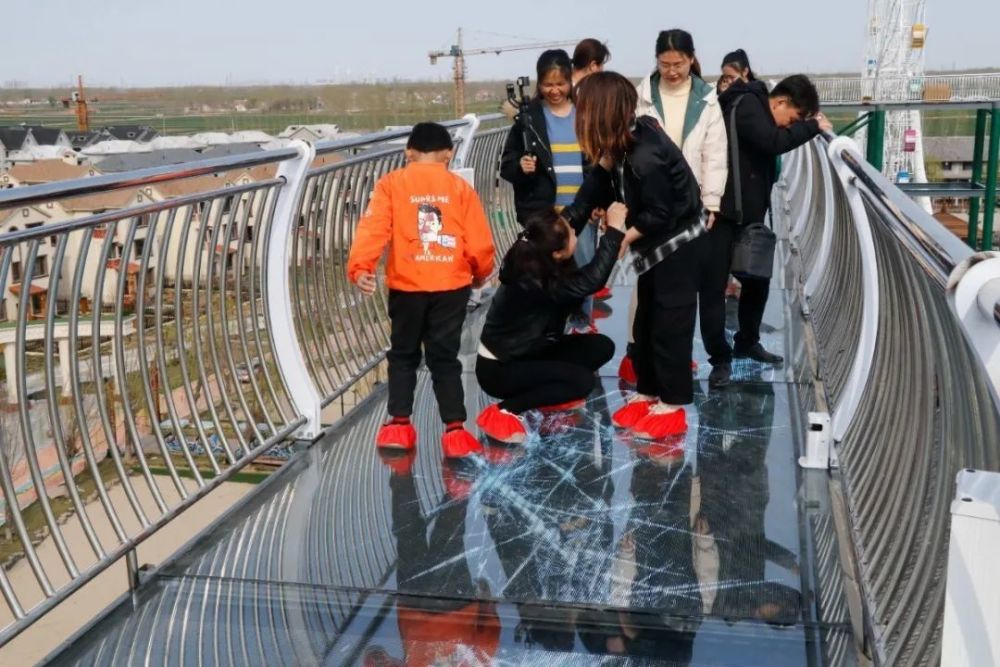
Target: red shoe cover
point(627, 371)
point(569, 406)
point(501, 426)
point(694, 366)
point(400, 462)
point(630, 414)
point(603, 293)
point(456, 486)
point(667, 452)
point(397, 436)
point(658, 427)
point(499, 455)
point(459, 443)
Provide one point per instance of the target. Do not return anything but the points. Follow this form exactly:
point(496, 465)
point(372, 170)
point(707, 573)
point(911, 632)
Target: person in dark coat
point(640, 165)
point(768, 124)
point(525, 360)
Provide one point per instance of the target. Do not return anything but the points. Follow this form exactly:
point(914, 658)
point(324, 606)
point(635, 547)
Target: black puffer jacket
point(761, 141)
point(535, 191)
point(655, 183)
point(524, 317)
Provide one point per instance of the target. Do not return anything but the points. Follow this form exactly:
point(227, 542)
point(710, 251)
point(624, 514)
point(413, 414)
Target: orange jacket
point(467, 637)
point(434, 225)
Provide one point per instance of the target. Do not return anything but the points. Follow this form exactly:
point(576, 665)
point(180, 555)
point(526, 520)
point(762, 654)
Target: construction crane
point(79, 101)
point(459, 53)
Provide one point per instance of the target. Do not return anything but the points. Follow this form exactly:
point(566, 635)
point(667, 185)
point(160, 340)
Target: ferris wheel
point(894, 72)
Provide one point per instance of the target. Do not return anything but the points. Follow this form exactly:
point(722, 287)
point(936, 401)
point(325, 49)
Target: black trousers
point(663, 330)
point(712, 297)
point(562, 372)
point(427, 324)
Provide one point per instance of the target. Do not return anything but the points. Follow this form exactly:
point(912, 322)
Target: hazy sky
point(124, 42)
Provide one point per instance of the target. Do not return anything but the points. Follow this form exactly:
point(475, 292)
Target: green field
point(271, 109)
point(354, 107)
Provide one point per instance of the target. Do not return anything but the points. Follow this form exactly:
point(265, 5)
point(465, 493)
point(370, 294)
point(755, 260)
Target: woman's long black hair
point(545, 233)
point(553, 59)
point(739, 59)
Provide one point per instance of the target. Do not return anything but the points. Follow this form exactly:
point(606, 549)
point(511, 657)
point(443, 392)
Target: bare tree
point(12, 448)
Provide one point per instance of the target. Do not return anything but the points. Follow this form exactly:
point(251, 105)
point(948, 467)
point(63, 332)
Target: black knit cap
point(429, 138)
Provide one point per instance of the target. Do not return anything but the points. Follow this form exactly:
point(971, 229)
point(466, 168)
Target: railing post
point(876, 139)
point(465, 146)
point(977, 177)
point(971, 635)
point(975, 296)
point(990, 201)
point(288, 354)
point(857, 381)
point(818, 270)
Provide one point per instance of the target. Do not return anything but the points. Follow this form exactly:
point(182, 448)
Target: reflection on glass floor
point(574, 548)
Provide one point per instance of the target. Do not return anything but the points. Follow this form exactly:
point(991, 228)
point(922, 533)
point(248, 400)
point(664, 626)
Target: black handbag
point(753, 252)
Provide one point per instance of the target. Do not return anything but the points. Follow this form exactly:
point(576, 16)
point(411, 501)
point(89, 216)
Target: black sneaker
point(720, 376)
point(758, 353)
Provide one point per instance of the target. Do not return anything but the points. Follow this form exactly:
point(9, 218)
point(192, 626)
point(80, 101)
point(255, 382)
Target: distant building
point(140, 133)
point(953, 155)
point(311, 133)
point(49, 136)
point(17, 142)
point(48, 171)
point(114, 147)
point(120, 162)
point(81, 140)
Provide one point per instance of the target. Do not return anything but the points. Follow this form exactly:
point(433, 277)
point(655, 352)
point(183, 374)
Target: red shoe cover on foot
point(694, 366)
point(569, 406)
point(459, 443)
point(630, 414)
point(658, 427)
point(627, 371)
point(603, 293)
point(501, 426)
point(400, 462)
point(397, 436)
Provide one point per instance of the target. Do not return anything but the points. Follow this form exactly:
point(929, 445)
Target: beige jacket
point(705, 145)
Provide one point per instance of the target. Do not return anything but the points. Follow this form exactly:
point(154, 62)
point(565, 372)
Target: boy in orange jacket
point(439, 247)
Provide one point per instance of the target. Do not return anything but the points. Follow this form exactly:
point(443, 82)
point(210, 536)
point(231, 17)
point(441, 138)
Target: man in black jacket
point(767, 125)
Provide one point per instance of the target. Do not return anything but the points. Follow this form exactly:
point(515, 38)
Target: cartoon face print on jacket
point(429, 225)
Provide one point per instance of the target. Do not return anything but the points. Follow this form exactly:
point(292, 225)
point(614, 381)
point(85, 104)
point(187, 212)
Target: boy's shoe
point(502, 426)
point(657, 425)
point(458, 443)
point(603, 293)
point(632, 412)
point(626, 372)
point(569, 406)
point(400, 462)
point(397, 434)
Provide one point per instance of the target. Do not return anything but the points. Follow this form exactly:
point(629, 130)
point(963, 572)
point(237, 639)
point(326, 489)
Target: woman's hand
point(529, 164)
point(606, 162)
point(616, 215)
point(711, 220)
point(631, 236)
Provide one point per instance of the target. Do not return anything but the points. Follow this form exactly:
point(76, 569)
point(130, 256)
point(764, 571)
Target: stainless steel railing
point(155, 349)
point(914, 399)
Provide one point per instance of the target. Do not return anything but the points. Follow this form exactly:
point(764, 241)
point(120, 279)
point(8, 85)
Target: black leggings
point(560, 373)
